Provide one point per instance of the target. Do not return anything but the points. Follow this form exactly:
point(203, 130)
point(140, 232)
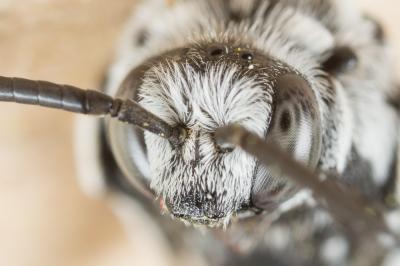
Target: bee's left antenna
point(73, 99)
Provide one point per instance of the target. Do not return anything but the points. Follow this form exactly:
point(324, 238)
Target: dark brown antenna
point(347, 206)
point(88, 102)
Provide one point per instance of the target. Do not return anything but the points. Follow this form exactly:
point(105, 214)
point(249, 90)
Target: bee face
point(208, 88)
point(202, 88)
point(260, 74)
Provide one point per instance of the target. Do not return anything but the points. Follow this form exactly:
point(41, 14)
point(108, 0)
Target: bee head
point(200, 89)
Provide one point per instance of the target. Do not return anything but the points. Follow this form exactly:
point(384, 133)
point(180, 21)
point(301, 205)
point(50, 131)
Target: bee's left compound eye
point(296, 128)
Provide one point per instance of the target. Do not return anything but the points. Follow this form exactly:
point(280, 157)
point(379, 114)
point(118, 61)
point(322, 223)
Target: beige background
point(44, 218)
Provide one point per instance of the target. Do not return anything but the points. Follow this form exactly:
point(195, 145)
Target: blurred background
point(45, 220)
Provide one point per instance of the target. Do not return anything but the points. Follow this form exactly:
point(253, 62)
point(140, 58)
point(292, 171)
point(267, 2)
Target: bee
point(312, 78)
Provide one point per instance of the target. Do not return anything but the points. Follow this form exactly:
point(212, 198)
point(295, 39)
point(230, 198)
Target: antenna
point(89, 102)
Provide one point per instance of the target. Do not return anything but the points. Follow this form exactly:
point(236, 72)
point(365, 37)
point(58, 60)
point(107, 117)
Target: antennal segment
point(73, 99)
point(131, 112)
point(347, 206)
point(53, 95)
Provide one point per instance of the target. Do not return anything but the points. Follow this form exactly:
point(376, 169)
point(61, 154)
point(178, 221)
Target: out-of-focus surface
point(44, 218)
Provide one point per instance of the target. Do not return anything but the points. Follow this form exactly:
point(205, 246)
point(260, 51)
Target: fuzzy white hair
point(278, 35)
point(204, 102)
point(300, 34)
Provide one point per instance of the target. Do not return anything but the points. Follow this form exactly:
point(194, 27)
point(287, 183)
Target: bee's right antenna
point(89, 102)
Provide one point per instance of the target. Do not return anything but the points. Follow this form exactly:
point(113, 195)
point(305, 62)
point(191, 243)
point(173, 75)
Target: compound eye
point(285, 122)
